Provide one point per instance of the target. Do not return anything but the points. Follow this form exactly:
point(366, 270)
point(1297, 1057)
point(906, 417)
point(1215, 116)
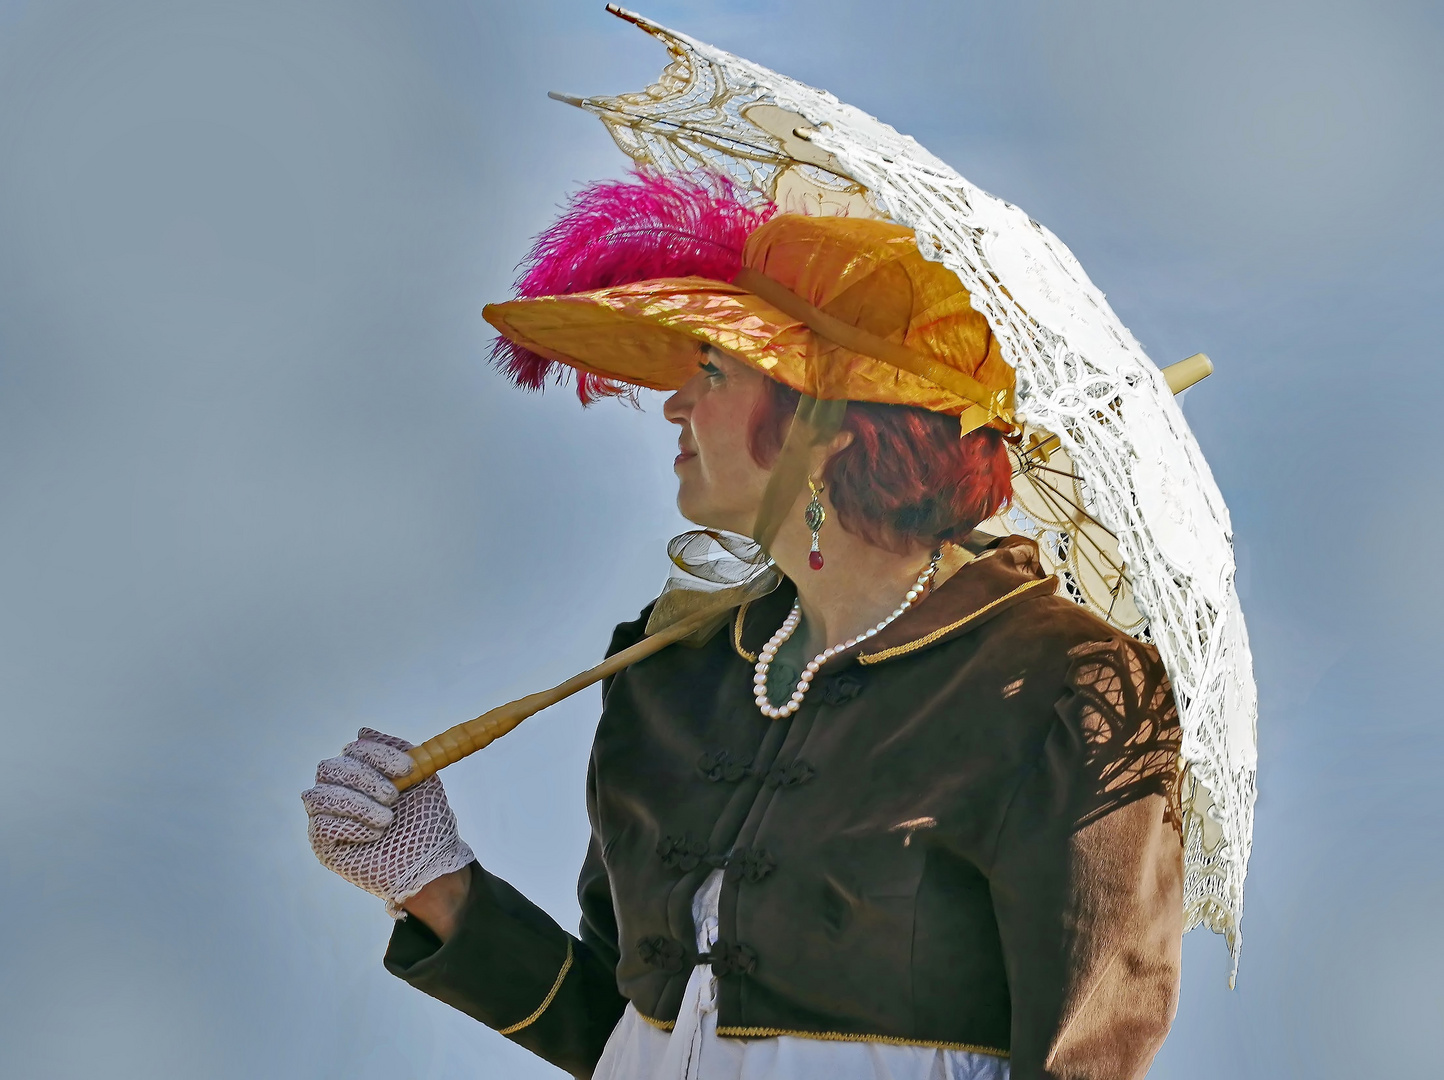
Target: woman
point(909, 815)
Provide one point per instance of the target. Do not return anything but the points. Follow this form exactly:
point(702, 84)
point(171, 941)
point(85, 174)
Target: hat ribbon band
point(995, 402)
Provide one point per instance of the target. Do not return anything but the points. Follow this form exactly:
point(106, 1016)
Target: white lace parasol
point(1111, 482)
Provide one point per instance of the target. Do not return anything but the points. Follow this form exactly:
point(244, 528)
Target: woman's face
point(719, 485)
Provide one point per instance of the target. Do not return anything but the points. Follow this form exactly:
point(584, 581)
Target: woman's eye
point(711, 370)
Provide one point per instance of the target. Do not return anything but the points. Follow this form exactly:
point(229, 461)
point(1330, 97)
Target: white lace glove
point(389, 843)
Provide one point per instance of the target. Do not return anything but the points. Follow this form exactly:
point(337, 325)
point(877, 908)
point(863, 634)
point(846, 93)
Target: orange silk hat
point(837, 308)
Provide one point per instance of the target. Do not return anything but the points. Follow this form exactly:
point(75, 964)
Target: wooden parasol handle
point(456, 743)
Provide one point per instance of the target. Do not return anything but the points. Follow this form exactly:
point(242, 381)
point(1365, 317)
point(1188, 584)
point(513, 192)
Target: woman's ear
point(823, 454)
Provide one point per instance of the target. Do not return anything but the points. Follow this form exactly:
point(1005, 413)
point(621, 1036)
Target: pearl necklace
point(789, 627)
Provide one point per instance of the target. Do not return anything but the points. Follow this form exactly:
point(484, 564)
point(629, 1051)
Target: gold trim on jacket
point(546, 1002)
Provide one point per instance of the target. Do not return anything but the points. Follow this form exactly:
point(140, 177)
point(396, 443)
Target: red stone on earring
point(814, 515)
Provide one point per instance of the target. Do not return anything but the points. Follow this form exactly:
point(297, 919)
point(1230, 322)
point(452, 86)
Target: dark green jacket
point(967, 837)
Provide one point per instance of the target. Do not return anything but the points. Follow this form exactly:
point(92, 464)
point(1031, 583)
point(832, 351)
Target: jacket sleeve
point(512, 967)
point(1087, 875)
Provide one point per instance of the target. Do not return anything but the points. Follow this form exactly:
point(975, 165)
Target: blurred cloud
point(1285, 136)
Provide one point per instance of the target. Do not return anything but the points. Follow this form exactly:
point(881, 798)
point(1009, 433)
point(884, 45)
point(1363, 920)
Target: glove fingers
point(356, 774)
point(372, 735)
point(332, 800)
point(390, 761)
point(328, 831)
point(388, 843)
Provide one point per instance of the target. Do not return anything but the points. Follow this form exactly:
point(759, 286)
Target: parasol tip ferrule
point(1187, 372)
point(622, 13)
point(566, 99)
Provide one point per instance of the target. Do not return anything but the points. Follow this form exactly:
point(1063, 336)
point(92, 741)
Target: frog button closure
point(682, 852)
point(663, 953)
point(840, 689)
point(728, 958)
point(751, 864)
point(783, 776)
point(719, 766)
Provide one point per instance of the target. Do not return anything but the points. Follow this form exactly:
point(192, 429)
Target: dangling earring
point(814, 515)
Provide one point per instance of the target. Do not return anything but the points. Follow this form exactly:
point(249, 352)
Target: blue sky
point(258, 486)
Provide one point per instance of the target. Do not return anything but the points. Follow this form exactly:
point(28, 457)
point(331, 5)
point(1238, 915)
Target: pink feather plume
point(616, 232)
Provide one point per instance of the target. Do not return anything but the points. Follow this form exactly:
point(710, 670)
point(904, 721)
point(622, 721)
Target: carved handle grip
point(456, 743)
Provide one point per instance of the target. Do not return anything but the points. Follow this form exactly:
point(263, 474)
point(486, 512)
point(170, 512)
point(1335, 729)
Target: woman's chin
point(696, 516)
point(709, 517)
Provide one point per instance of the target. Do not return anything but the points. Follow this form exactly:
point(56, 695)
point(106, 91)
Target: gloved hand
point(387, 842)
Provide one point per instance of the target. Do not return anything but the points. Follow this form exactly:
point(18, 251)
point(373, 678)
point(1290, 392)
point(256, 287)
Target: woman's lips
point(685, 455)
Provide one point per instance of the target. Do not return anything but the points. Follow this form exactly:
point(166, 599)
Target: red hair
point(906, 478)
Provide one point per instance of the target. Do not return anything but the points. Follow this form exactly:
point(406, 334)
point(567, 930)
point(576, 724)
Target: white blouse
point(693, 1050)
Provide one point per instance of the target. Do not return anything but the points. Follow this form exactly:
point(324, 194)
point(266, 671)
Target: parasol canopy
point(1108, 477)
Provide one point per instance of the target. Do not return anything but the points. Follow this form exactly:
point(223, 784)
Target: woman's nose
point(678, 405)
point(671, 409)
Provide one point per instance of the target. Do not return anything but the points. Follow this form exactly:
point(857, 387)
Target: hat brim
point(644, 334)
